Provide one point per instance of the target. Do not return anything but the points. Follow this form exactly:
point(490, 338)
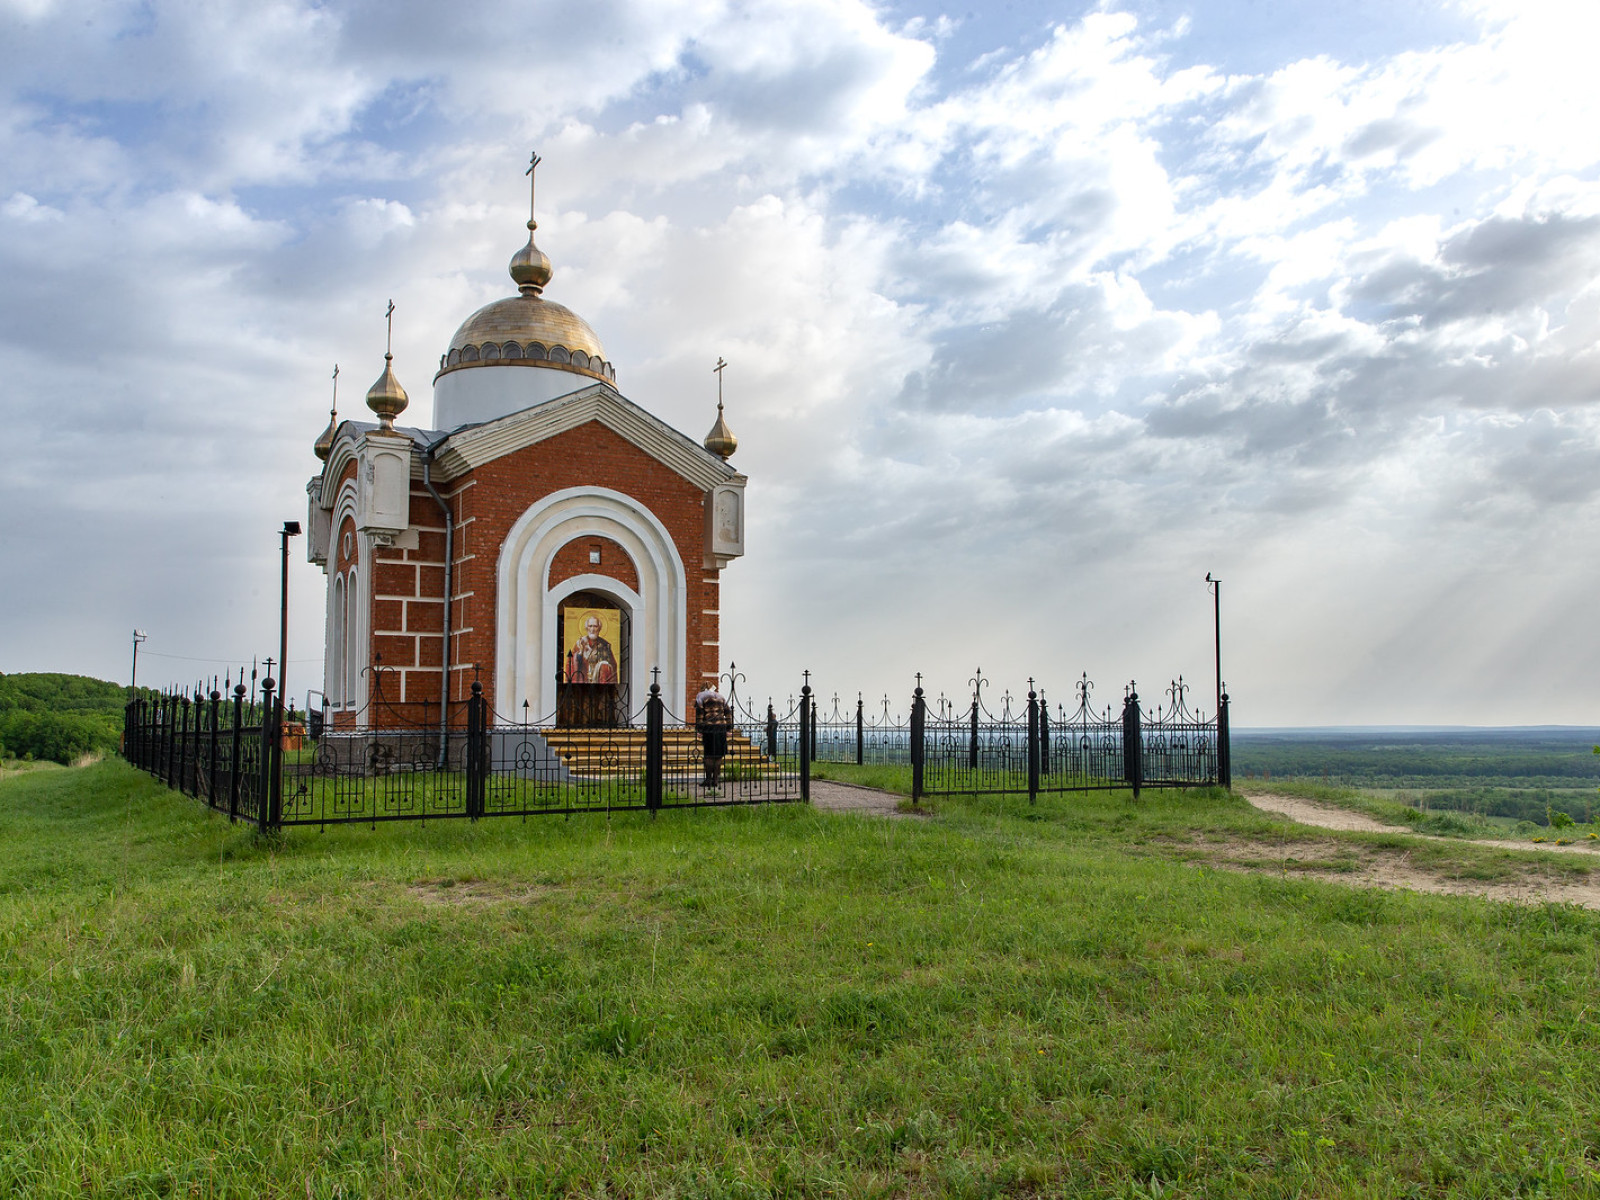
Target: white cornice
point(479, 444)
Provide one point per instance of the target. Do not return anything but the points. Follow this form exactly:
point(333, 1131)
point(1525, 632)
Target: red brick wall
point(407, 612)
point(406, 608)
point(497, 493)
point(574, 559)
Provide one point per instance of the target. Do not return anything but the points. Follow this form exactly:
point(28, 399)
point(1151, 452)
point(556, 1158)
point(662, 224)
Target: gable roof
point(474, 445)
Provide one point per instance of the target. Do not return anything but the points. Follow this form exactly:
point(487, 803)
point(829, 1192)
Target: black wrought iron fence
point(234, 751)
point(213, 746)
point(1025, 745)
point(243, 760)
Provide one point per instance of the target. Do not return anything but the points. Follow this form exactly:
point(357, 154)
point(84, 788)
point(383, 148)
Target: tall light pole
point(133, 681)
point(290, 529)
point(1214, 586)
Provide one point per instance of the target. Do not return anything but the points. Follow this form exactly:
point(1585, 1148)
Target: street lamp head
point(291, 528)
point(139, 635)
point(1208, 577)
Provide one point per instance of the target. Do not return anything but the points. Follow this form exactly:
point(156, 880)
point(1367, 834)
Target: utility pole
point(133, 681)
point(1214, 586)
point(290, 529)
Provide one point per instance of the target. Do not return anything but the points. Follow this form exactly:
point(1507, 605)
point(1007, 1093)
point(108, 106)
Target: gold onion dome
point(530, 266)
point(323, 446)
point(386, 397)
point(720, 441)
point(526, 330)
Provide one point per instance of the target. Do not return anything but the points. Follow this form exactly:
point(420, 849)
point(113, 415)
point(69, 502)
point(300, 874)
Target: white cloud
point(1065, 328)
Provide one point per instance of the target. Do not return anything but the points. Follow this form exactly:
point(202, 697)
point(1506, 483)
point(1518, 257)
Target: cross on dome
point(386, 397)
point(720, 441)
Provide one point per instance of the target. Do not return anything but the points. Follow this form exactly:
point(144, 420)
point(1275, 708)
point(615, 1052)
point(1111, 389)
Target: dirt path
point(1336, 862)
point(1331, 816)
point(831, 796)
point(1365, 866)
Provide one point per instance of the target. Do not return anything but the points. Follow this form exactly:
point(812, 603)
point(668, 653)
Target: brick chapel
point(462, 552)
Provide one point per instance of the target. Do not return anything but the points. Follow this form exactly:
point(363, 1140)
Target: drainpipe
point(449, 563)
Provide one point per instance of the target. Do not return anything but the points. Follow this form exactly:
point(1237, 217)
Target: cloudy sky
point(1036, 313)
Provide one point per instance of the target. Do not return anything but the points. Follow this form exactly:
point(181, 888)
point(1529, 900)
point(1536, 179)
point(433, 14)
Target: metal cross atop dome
point(533, 162)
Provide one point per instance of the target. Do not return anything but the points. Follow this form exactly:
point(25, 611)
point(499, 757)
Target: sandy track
point(1331, 816)
point(1363, 866)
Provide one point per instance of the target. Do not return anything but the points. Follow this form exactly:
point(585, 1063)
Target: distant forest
point(1517, 773)
point(59, 718)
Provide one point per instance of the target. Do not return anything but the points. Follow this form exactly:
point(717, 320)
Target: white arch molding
point(527, 642)
point(348, 643)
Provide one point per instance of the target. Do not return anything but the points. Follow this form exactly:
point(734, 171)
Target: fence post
point(808, 730)
point(1224, 748)
point(211, 773)
point(813, 729)
point(267, 802)
point(918, 716)
point(655, 748)
point(1044, 735)
point(477, 767)
point(972, 746)
point(180, 761)
point(236, 753)
point(1132, 750)
point(194, 766)
point(169, 742)
point(860, 732)
point(1033, 744)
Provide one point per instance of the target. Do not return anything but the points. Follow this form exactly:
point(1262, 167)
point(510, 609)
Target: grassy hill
point(995, 1000)
point(59, 717)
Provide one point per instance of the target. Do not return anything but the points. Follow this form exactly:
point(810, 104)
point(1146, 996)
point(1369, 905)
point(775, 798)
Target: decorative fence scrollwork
point(232, 748)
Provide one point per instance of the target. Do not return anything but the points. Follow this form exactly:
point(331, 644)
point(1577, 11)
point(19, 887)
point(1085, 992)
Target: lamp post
point(1214, 586)
point(290, 529)
point(133, 681)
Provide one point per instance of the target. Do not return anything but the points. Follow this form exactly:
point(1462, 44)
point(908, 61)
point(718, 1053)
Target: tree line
point(59, 718)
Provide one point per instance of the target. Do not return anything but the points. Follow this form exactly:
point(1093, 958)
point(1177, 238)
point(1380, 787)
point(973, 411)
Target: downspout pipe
point(449, 565)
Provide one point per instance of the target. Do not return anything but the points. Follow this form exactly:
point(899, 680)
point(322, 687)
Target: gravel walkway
point(830, 796)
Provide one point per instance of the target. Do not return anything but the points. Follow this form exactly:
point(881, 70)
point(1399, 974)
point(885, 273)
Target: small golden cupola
point(720, 441)
point(386, 397)
point(323, 446)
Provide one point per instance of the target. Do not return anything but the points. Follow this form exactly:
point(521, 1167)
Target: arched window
point(335, 673)
point(352, 640)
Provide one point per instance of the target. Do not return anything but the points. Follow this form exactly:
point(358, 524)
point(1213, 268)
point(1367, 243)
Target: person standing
point(713, 717)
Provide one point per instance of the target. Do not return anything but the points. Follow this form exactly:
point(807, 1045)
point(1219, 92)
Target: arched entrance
point(594, 688)
point(529, 650)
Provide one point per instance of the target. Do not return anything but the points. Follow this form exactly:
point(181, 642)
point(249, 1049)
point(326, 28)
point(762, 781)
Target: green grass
point(1002, 999)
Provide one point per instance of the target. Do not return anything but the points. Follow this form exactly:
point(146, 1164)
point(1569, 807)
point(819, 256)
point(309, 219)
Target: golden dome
point(720, 441)
point(323, 446)
point(386, 397)
point(530, 266)
point(526, 330)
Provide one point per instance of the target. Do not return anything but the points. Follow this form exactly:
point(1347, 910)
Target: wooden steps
point(622, 751)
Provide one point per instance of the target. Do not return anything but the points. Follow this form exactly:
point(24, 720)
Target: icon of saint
point(591, 659)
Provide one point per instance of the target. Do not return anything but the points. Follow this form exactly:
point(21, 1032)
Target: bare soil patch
point(831, 796)
point(1331, 816)
point(1364, 866)
point(451, 892)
